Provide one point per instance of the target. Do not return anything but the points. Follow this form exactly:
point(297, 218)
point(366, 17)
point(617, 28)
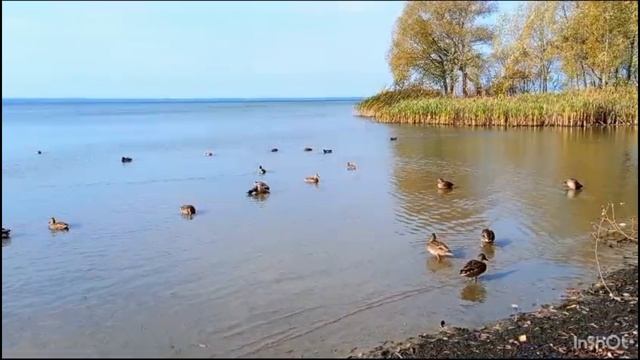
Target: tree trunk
point(630, 62)
point(464, 82)
point(445, 85)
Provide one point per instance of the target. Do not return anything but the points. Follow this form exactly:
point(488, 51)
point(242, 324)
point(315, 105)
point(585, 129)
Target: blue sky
point(196, 49)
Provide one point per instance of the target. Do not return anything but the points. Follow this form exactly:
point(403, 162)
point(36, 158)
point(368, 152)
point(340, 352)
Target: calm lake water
point(308, 270)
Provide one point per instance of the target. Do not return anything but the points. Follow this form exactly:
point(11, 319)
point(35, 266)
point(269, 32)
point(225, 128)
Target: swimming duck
point(308, 149)
point(488, 236)
point(259, 187)
point(126, 159)
point(5, 233)
point(274, 150)
point(57, 225)
point(475, 268)
point(351, 166)
point(208, 153)
point(573, 184)
point(393, 138)
point(438, 248)
point(312, 179)
point(187, 210)
point(39, 152)
point(261, 170)
point(444, 184)
point(327, 151)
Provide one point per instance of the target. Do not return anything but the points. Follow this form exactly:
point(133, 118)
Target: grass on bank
point(610, 106)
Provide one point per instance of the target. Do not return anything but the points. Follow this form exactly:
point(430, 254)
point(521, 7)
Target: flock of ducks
point(472, 269)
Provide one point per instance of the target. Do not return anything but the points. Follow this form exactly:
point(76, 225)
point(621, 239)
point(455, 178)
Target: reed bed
point(611, 106)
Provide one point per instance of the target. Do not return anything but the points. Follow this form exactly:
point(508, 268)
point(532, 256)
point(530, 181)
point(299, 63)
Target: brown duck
point(57, 225)
point(187, 210)
point(488, 236)
point(438, 248)
point(444, 184)
point(475, 268)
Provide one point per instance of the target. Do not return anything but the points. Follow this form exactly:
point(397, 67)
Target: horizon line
point(186, 98)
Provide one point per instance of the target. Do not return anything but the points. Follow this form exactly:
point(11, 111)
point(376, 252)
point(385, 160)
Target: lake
point(309, 270)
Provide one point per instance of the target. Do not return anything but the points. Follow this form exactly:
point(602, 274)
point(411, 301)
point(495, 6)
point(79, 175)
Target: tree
point(437, 43)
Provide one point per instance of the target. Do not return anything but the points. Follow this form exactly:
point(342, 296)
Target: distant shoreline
point(21, 101)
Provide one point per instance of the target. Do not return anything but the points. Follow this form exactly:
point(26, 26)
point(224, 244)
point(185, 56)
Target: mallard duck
point(57, 225)
point(393, 138)
point(444, 184)
point(126, 159)
point(274, 150)
point(5, 233)
point(573, 184)
point(475, 268)
point(313, 179)
point(187, 210)
point(259, 187)
point(488, 236)
point(261, 170)
point(351, 166)
point(438, 248)
point(308, 149)
point(327, 151)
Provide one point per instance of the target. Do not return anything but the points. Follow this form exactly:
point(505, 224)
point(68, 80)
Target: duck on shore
point(488, 236)
point(259, 188)
point(126, 159)
point(313, 179)
point(572, 184)
point(261, 170)
point(188, 210)
point(351, 166)
point(444, 184)
point(438, 248)
point(5, 233)
point(57, 225)
point(475, 268)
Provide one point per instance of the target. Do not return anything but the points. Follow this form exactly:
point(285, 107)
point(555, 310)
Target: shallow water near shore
point(306, 271)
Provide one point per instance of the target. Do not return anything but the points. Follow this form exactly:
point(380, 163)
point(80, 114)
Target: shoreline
point(551, 331)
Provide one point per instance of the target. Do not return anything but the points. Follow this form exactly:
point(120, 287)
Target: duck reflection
point(260, 197)
point(474, 292)
point(444, 191)
point(489, 250)
point(6, 242)
point(571, 193)
point(434, 265)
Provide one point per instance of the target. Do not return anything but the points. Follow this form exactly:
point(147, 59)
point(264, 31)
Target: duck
point(5, 233)
point(126, 159)
point(39, 152)
point(438, 248)
point(57, 225)
point(308, 149)
point(259, 187)
point(393, 138)
point(351, 166)
point(475, 268)
point(274, 150)
point(208, 153)
point(187, 210)
point(261, 170)
point(488, 236)
point(327, 151)
point(444, 184)
point(313, 179)
point(572, 184)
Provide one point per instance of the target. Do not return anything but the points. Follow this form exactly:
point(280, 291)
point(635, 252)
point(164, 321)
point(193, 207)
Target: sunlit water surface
point(308, 270)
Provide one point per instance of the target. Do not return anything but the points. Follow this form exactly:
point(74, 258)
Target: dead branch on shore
point(609, 229)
